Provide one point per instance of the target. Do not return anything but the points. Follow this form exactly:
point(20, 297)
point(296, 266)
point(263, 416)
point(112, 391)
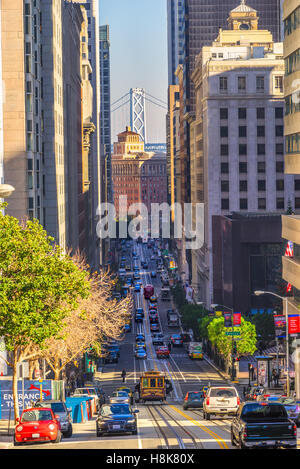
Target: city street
point(159, 426)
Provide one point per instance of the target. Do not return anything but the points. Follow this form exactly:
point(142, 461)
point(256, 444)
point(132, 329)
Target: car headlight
point(51, 426)
point(131, 421)
point(19, 428)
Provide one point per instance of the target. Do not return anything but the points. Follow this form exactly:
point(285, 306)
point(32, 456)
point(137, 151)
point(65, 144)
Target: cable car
point(152, 386)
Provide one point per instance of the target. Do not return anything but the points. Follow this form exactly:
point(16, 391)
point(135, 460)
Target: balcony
point(291, 271)
point(291, 228)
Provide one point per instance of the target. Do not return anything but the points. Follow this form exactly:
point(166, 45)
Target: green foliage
point(265, 328)
point(40, 285)
point(203, 326)
point(223, 343)
point(179, 296)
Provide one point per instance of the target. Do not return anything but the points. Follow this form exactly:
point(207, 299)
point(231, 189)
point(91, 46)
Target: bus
point(148, 292)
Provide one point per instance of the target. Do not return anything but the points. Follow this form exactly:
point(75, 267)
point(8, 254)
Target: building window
point(223, 84)
point(260, 113)
point(261, 167)
point(280, 184)
point(243, 204)
point(224, 113)
point(261, 204)
point(297, 202)
point(278, 112)
point(260, 84)
point(241, 84)
point(279, 166)
point(224, 168)
point(243, 186)
point(225, 204)
point(261, 186)
point(223, 132)
point(297, 184)
point(261, 149)
point(224, 150)
point(242, 149)
point(280, 203)
point(243, 167)
point(260, 131)
point(242, 131)
point(279, 148)
point(224, 186)
point(242, 113)
point(279, 131)
point(278, 85)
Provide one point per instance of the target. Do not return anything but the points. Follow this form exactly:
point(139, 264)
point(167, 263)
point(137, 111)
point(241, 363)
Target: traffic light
point(234, 348)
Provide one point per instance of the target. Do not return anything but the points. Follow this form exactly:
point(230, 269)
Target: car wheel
point(207, 416)
point(69, 433)
point(17, 443)
point(134, 432)
point(99, 434)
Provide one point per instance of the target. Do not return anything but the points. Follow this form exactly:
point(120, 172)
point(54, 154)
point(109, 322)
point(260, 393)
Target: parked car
point(63, 414)
point(111, 357)
point(37, 424)
point(138, 317)
point(263, 425)
point(292, 407)
point(220, 400)
point(119, 397)
point(193, 400)
point(140, 337)
point(116, 418)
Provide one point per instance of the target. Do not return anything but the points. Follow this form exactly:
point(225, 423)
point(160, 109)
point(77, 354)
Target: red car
point(162, 352)
point(154, 327)
point(153, 308)
point(37, 424)
point(153, 319)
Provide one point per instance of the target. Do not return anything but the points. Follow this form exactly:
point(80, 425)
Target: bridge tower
point(138, 112)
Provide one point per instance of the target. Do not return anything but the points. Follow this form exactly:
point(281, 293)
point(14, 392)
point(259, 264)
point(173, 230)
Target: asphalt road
point(159, 426)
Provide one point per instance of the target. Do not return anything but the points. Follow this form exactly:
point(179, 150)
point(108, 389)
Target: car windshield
point(195, 396)
point(57, 407)
point(120, 394)
point(115, 409)
point(36, 415)
point(258, 411)
point(223, 393)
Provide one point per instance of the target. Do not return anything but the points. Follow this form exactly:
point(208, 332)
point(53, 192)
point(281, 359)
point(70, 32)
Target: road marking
point(217, 438)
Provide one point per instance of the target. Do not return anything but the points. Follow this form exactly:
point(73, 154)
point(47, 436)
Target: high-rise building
point(175, 17)
point(105, 117)
point(291, 223)
point(139, 175)
point(173, 103)
point(22, 110)
point(96, 165)
point(237, 141)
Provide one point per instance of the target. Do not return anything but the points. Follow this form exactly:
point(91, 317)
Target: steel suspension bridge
point(135, 108)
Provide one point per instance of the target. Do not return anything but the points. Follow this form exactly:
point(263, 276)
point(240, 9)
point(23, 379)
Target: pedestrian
point(123, 375)
point(170, 346)
point(274, 374)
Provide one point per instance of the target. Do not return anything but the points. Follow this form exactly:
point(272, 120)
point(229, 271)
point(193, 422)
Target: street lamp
point(6, 190)
point(284, 299)
point(213, 306)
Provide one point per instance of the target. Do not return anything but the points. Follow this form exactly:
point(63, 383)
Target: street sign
point(232, 333)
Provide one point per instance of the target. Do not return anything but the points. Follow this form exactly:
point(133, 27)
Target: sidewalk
point(6, 440)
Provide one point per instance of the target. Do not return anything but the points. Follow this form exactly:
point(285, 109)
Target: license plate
point(35, 435)
point(116, 427)
point(223, 410)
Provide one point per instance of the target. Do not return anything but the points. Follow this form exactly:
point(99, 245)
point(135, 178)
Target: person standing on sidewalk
point(123, 375)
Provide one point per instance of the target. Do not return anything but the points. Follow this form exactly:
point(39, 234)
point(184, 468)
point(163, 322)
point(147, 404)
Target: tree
point(40, 285)
point(223, 343)
point(96, 318)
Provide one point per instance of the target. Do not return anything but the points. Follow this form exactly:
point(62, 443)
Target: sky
point(138, 38)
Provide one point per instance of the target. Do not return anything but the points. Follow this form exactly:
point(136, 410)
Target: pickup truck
point(263, 425)
point(173, 320)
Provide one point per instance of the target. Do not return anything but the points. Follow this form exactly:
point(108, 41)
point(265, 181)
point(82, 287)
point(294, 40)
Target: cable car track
point(225, 427)
point(169, 428)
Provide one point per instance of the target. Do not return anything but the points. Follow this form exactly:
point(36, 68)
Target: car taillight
point(245, 433)
point(207, 401)
point(238, 400)
point(186, 397)
point(295, 430)
point(19, 428)
point(254, 396)
point(266, 395)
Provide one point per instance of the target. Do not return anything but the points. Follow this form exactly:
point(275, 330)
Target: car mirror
point(17, 419)
point(56, 416)
point(136, 411)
